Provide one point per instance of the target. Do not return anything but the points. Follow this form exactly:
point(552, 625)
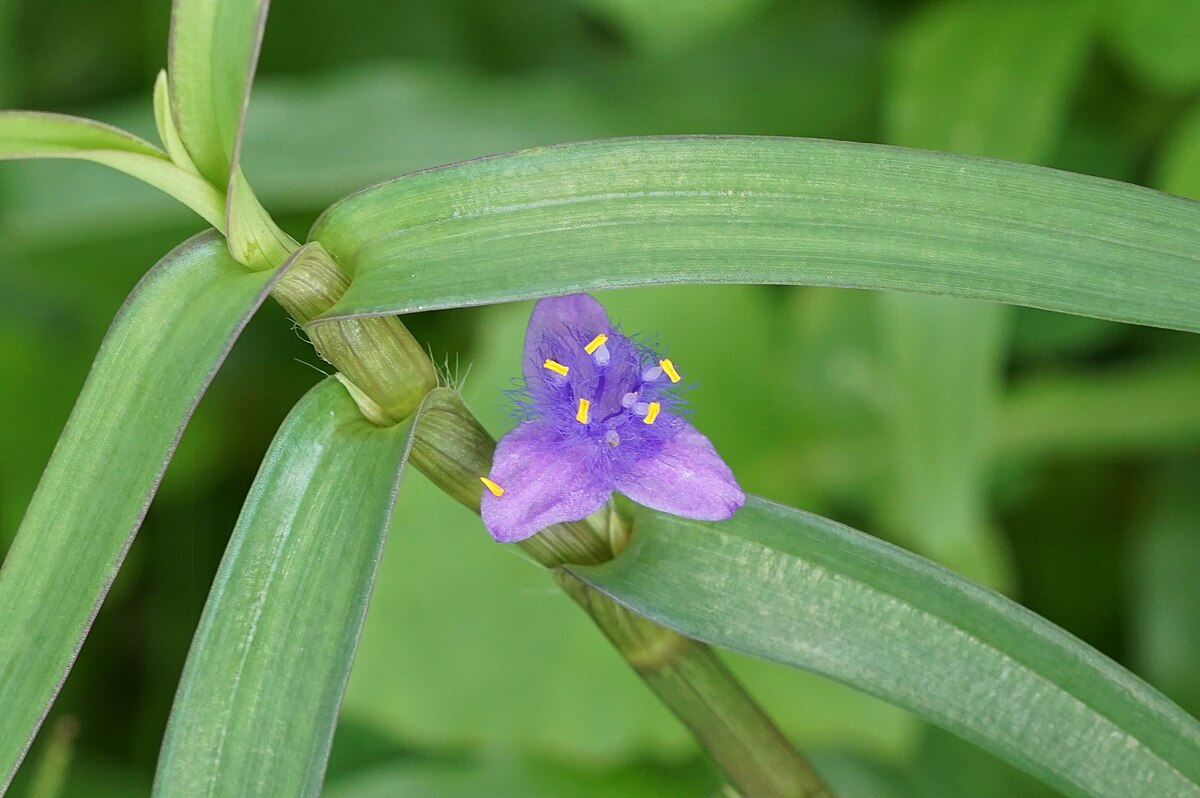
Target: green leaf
point(29, 134)
point(708, 210)
point(213, 52)
point(164, 122)
point(258, 702)
point(211, 58)
point(392, 118)
point(1158, 39)
point(800, 589)
point(160, 354)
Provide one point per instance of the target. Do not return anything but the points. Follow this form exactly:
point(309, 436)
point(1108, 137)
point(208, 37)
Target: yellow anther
point(556, 367)
point(652, 413)
point(596, 343)
point(582, 415)
point(669, 367)
point(492, 486)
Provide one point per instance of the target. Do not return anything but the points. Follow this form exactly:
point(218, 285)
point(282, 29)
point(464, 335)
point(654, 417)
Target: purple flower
point(599, 413)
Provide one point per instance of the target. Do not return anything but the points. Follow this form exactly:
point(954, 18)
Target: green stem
point(389, 376)
point(689, 678)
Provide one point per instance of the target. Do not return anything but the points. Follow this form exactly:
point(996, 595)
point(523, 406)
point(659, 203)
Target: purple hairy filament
point(613, 399)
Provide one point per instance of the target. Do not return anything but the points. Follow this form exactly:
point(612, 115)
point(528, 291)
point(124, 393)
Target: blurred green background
point(1055, 458)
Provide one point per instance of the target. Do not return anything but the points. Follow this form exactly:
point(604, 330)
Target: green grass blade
point(213, 52)
point(255, 711)
point(158, 357)
point(630, 212)
point(793, 587)
point(30, 134)
point(211, 58)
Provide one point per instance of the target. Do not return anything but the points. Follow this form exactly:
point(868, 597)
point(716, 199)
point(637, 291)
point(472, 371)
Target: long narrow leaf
point(159, 356)
point(760, 210)
point(213, 53)
point(799, 589)
point(211, 59)
point(30, 134)
point(255, 711)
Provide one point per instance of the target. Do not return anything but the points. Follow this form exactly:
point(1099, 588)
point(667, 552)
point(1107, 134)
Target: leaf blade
point(251, 717)
point(212, 53)
point(631, 212)
point(157, 359)
point(32, 134)
point(829, 599)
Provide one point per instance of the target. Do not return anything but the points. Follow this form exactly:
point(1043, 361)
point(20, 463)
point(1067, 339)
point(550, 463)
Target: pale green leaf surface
point(1179, 169)
point(1158, 39)
point(800, 589)
point(257, 705)
point(762, 210)
point(30, 134)
point(164, 123)
point(211, 59)
point(157, 359)
point(443, 663)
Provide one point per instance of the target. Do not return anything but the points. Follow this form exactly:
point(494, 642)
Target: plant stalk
point(389, 376)
point(693, 682)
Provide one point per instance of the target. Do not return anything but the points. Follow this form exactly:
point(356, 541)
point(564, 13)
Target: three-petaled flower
point(600, 413)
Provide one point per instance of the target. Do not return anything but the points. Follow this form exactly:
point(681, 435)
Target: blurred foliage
point(1066, 449)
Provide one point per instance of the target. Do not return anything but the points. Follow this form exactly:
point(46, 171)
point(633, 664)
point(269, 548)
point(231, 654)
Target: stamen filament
point(595, 343)
point(492, 486)
point(669, 367)
point(556, 367)
point(582, 415)
point(652, 413)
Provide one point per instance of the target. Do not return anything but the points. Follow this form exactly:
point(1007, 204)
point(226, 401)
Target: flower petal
point(686, 477)
point(555, 317)
point(545, 482)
